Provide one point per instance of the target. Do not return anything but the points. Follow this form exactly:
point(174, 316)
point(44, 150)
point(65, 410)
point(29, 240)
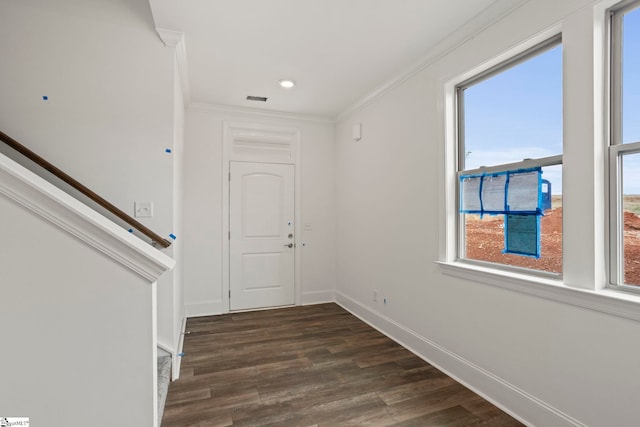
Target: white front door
point(261, 241)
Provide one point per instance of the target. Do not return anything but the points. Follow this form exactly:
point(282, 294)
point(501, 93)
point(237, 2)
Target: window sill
point(615, 303)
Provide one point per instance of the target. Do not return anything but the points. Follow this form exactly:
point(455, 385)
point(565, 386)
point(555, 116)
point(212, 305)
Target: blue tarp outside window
point(515, 194)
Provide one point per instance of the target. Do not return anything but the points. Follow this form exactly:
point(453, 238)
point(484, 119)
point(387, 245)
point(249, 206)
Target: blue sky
point(517, 114)
point(631, 77)
point(631, 99)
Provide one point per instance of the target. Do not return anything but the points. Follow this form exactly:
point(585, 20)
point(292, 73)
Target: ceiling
point(337, 51)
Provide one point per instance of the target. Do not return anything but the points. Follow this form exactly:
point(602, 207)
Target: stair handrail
point(40, 161)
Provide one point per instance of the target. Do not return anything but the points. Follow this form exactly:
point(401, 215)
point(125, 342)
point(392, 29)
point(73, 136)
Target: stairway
point(164, 378)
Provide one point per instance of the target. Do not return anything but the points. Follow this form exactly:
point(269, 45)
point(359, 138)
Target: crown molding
point(176, 40)
point(453, 41)
point(201, 107)
point(170, 38)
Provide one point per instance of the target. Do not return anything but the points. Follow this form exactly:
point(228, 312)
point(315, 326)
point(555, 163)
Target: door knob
point(290, 245)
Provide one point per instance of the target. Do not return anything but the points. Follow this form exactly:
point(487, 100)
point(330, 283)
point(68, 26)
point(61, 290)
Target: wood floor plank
point(409, 391)
point(489, 413)
point(456, 416)
point(335, 412)
point(431, 402)
point(311, 366)
point(188, 396)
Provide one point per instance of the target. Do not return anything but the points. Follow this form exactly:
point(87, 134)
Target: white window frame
point(515, 60)
point(570, 290)
point(617, 149)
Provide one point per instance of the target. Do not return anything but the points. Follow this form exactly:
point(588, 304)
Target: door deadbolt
point(290, 235)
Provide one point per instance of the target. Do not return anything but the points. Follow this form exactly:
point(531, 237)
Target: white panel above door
point(249, 142)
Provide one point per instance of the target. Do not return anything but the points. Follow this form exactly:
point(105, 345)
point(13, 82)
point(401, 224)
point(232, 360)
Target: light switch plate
point(143, 209)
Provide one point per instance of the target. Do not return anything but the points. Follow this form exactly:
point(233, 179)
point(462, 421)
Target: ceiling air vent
point(257, 98)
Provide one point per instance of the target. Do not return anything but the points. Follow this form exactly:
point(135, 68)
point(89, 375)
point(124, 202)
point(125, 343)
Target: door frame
point(260, 143)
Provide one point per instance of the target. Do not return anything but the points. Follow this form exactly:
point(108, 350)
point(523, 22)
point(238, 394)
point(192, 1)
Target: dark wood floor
point(312, 366)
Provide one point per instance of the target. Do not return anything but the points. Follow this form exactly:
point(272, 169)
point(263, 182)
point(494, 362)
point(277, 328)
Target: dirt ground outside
point(485, 241)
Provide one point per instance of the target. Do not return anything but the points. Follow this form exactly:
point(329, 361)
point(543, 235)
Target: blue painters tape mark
point(167, 150)
point(173, 236)
point(130, 230)
point(45, 97)
point(181, 354)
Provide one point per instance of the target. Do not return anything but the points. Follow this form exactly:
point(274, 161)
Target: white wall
point(178, 195)
point(549, 363)
point(76, 326)
point(109, 80)
point(170, 286)
point(178, 204)
point(110, 112)
point(203, 206)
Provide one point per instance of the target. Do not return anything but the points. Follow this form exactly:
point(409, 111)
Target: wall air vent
point(257, 98)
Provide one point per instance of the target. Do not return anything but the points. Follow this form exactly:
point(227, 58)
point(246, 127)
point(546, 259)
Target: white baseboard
point(216, 307)
point(516, 402)
point(205, 308)
point(177, 360)
point(317, 297)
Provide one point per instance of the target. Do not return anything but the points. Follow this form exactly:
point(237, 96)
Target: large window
point(510, 163)
point(624, 151)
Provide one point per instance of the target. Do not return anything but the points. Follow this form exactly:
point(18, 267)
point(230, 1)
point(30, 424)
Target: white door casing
point(251, 141)
point(262, 235)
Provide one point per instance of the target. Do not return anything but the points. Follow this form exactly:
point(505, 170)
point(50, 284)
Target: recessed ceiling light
point(287, 84)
